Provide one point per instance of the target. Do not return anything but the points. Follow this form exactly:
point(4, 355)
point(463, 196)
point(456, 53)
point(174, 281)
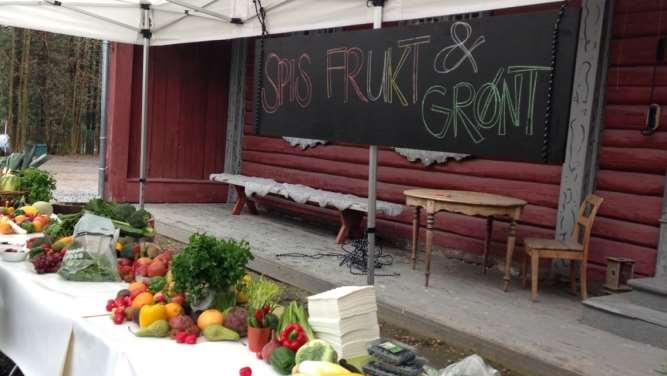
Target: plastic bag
point(473, 365)
point(91, 257)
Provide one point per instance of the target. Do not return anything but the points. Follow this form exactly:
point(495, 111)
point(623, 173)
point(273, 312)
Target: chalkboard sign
point(479, 86)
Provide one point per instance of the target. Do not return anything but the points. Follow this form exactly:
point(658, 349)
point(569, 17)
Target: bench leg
point(241, 200)
point(350, 221)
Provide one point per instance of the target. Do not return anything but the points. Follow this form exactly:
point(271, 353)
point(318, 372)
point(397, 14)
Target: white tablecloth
point(49, 326)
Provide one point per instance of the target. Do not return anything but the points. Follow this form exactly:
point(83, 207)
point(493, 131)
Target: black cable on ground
point(355, 256)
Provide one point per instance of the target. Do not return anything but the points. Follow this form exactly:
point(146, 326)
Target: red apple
point(160, 298)
point(141, 270)
point(178, 298)
point(157, 268)
point(124, 262)
point(143, 261)
point(165, 257)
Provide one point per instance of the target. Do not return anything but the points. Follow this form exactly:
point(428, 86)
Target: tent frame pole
point(101, 178)
point(144, 101)
point(372, 174)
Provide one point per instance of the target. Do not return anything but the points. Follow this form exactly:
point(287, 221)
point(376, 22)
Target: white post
point(372, 175)
point(144, 103)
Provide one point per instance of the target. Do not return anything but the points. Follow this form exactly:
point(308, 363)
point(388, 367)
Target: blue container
point(40, 149)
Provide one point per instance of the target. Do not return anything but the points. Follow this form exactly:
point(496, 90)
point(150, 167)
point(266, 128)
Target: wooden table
point(485, 205)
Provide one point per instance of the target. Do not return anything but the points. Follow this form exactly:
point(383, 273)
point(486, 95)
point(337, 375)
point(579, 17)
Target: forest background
point(50, 90)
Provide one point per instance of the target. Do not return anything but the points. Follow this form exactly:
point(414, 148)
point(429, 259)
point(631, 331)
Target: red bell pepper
point(293, 337)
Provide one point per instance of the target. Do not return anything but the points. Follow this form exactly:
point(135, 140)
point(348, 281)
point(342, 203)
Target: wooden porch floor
point(462, 307)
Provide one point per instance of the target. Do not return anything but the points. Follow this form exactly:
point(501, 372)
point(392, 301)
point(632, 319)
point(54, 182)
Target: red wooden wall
point(188, 88)
point(631, 176)
point(632, 166)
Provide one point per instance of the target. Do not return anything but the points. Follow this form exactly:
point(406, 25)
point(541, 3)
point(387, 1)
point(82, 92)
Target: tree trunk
point(24, 96)
point(11, 130)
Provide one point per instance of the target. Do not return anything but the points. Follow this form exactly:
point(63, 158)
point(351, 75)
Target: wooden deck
point(462, 306)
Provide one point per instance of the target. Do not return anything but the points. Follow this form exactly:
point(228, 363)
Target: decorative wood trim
point(580, 167)
point(119, 112)
point(236, 110)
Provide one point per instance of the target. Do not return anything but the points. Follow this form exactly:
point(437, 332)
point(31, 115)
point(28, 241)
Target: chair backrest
point(587, 212)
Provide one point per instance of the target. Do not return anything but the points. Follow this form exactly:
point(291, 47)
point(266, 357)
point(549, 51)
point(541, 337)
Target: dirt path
point(76, 177)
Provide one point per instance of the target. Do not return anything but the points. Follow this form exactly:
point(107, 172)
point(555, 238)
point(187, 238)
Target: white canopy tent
point(165, 22)
point(187, 21)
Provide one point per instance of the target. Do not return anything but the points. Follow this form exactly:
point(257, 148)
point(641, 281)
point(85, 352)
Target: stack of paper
point(346, 318)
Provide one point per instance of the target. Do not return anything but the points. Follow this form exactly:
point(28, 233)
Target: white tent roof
point(185, 21)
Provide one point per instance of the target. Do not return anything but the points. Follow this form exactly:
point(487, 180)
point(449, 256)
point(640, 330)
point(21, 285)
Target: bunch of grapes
point(48, 262)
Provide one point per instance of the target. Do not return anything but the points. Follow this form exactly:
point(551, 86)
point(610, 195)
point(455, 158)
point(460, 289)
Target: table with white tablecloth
point(50, 326)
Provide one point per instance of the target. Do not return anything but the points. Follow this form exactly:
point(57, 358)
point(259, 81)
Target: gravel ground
point(76, 177)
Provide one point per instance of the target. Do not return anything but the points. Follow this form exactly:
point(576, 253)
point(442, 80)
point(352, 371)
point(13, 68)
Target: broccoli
point(123, 212)
point(139, 219)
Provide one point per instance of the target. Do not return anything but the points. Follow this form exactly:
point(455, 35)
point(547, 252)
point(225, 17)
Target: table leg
point(487, 242)
point(430, 220)
point(415, 235)
point(511, 241)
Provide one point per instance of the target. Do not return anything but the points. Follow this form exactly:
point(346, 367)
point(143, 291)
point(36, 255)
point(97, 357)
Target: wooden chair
point(573, 249)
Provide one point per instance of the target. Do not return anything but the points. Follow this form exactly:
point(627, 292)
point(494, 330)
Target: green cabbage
point(316, 350)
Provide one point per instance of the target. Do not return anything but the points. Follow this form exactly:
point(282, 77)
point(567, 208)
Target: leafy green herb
point(262, 292)
point(207, 264)
point(38, 183)
point(65, 227)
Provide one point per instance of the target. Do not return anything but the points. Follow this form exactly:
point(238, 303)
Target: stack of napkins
point(346, 318)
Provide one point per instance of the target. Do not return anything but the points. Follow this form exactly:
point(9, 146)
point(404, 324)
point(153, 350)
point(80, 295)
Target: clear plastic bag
point(91, 257)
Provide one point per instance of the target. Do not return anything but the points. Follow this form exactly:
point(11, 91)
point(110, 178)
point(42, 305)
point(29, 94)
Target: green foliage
point(263, 292)
point(49, 90)
point(123, 212)
point(40, 184)
point(139, 219)
point(208, 264)
point(65, 227)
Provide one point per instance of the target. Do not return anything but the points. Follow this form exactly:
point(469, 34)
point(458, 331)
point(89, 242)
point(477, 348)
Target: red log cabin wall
point(632, 166)
point(188, 88)
point(631, 174)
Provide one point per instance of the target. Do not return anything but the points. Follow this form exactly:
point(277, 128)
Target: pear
point(217, 332)
point(159, 328)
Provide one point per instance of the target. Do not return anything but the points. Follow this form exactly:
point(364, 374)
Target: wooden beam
point(579, 170)
point(119, 112)
point(236, 110)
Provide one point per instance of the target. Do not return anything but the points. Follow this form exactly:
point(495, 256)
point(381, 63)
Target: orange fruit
point(6, 228)
point(38, 225)
point(134, 286)
point(142, 299)
point(19, 219)
point(173, 310)
point(210, 317)
point(42, 218)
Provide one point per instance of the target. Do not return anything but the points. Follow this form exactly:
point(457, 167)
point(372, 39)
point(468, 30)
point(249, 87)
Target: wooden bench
point(351, 209)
